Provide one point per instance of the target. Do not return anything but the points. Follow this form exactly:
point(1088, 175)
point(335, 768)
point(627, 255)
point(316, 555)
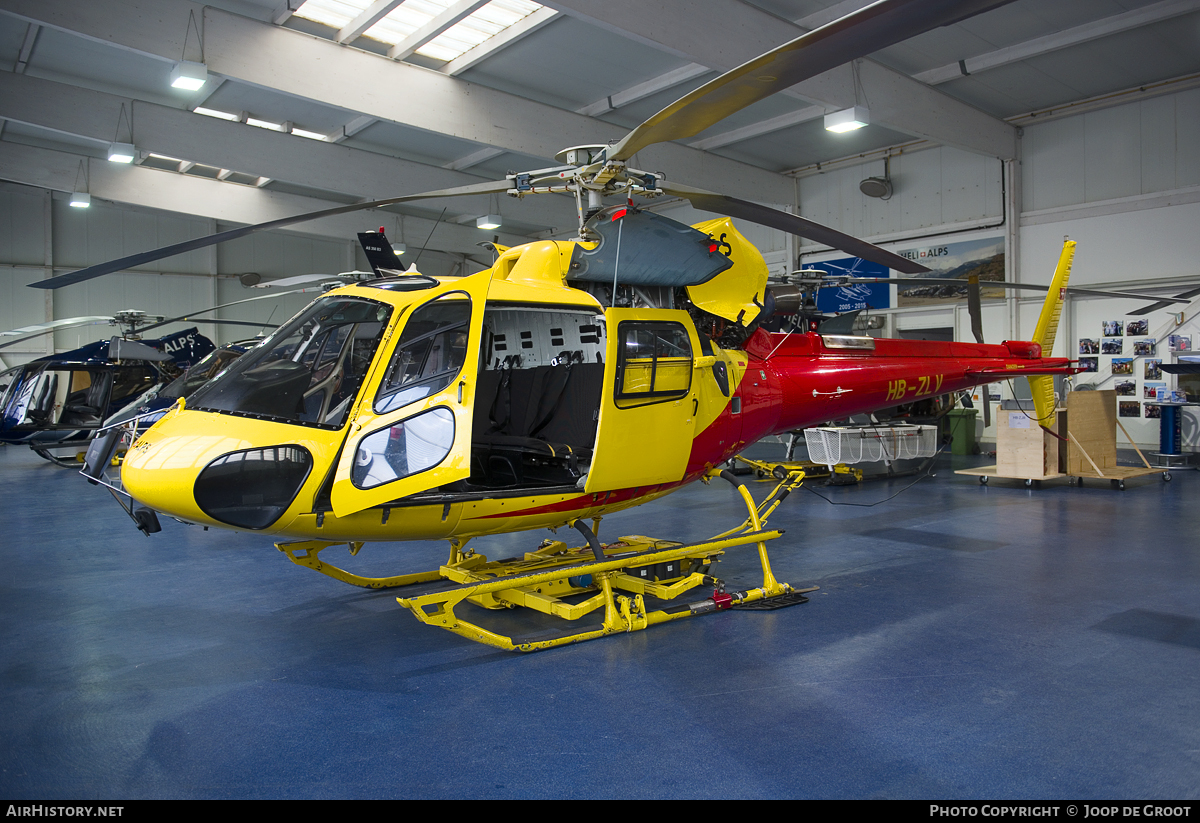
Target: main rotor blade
point(30, 332)
point(792, 224)
point(1002, 284)
point(1189, 295)
point(190, 318)
point(863, 32)
point(132, 260)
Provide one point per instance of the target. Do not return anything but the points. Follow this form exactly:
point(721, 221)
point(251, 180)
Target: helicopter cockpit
point(306, 372)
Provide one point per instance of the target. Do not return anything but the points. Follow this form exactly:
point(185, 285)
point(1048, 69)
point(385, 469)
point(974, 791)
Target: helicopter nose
point(214, 479)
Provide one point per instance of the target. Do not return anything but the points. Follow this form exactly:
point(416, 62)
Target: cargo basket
point(870, 444)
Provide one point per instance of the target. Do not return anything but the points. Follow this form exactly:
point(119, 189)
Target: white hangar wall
point(40, 234)
point(1123, 182)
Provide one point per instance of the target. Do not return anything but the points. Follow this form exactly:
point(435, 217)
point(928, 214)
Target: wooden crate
point(1093, 416)
point(1025, 449)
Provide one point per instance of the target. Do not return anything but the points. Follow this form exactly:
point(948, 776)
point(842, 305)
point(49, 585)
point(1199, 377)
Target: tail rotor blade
point(975, 307)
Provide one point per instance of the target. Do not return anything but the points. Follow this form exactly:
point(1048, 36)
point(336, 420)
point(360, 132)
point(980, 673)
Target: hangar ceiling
point(313, 103)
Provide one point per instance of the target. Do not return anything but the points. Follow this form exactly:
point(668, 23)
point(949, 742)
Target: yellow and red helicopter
point(570, 380)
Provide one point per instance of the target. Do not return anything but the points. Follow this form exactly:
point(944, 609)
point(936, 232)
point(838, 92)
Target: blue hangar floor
point(966, 642)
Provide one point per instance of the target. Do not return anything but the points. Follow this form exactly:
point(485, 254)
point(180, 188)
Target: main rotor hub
point(581, 155)
point(130, 320)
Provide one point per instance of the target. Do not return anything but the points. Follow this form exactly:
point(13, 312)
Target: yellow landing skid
point(839, 475)
point(616, 578)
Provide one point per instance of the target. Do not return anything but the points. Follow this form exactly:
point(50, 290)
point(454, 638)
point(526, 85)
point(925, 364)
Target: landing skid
point(72, 461)
point(571, 583)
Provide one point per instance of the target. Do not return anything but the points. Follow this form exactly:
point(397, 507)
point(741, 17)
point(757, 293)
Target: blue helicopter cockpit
point(62, 399)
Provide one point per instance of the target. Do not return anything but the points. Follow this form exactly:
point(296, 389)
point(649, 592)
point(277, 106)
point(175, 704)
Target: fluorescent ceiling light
point(491, 221)
point(847, 119)
point(81, 199)
point(264, 124)
point(121, 152)
point(221, 115)
point(311, 135)
point(188, 76)
point(399, 248)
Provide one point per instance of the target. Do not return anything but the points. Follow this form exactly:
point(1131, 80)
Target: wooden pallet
point(1033, 454)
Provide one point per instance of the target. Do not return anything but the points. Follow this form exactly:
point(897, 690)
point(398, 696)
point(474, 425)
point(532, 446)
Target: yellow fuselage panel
point(732, 293)
point(161, 468)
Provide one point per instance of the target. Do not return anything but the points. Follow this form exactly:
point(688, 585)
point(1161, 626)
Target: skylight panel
point(411, 15)
point(405, 19)
point(335, 13)
point(481, 26)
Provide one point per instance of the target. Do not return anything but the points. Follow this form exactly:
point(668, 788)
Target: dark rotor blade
point(1162, 304)
point(975, 308)
point(792, 224)
point(190, 318)
point(1002, 284)
point(258, 324)
point(221, 237)
point(863, 32)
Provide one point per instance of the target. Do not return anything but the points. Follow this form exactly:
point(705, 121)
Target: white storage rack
point(870, 444)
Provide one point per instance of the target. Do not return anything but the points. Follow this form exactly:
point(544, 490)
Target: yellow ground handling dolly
point(839, 475)
point(571, 583)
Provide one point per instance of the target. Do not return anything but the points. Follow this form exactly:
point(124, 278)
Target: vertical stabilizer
point(379, 253)
point(1042, 386)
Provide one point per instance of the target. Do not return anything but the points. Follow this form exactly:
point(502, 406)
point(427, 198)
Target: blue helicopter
point(61, 399)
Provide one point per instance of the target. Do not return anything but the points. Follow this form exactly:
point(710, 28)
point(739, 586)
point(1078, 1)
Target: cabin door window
point(648, 411)
point(412, 430)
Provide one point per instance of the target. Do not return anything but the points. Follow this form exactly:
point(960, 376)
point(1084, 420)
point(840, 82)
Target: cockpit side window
point(429, 354)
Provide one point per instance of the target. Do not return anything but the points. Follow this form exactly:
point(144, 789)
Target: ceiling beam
point(243, 148)
point(643, 90)
point(896, 100)
point(783, 121)
point(473, 159)
point(352, 128)
point(26, 51)
point(311, 67)
point(1059, 40)
point(284, 11)
point(203, 197)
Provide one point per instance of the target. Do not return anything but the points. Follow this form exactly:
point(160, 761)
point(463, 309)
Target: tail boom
point(817, 380)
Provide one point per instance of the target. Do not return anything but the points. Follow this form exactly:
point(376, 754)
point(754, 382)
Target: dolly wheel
point(983, 480)
point(1166, 477)
point(1029, 483)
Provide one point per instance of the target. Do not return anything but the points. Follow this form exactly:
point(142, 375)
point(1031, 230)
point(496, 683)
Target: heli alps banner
point(954, 262)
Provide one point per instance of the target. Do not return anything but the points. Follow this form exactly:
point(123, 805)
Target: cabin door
point(411, 430)
point(649, 403)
